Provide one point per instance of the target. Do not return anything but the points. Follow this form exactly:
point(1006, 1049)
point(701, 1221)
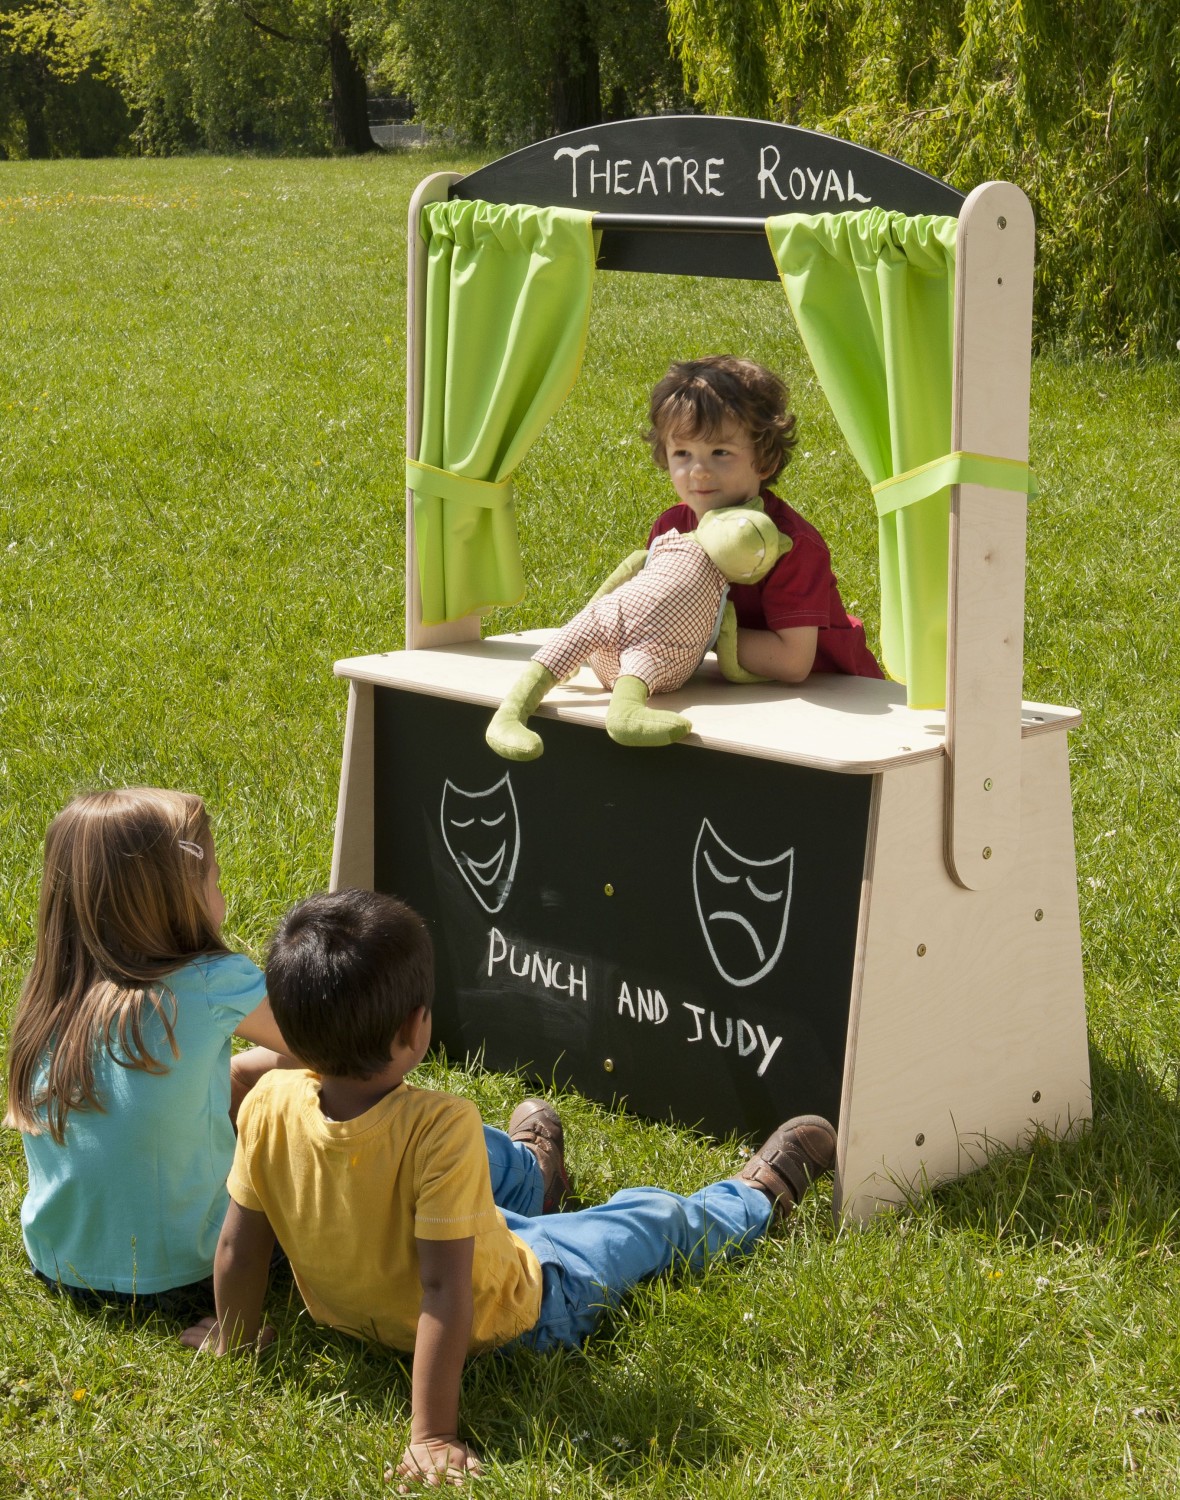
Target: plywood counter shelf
point(824, 899)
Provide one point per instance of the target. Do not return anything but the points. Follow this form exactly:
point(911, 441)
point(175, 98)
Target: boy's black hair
point(344, 973)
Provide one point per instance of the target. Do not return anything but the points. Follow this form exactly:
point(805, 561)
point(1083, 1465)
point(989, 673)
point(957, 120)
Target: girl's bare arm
point(261, 1028)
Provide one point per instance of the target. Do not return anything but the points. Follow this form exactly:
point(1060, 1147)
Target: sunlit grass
point(201, 449)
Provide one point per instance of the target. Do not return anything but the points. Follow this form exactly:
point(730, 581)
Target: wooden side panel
point(985, 626)
point(432, 189)
point(352, 850)
point(967, 1026)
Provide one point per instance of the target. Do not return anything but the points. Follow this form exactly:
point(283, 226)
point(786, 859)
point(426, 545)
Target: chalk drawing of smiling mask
point(743, 905)
point(482, 833)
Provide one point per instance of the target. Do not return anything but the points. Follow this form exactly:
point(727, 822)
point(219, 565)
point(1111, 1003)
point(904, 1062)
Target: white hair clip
point(190, 848)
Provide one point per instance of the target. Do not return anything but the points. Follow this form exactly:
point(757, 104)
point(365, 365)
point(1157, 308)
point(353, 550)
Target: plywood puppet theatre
point(850, 896)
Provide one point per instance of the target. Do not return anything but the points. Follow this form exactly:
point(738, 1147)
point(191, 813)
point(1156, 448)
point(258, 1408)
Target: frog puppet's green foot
point(629, 721)
point(508, 734)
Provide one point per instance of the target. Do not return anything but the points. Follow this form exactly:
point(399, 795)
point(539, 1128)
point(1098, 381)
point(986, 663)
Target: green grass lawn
point(201, 449)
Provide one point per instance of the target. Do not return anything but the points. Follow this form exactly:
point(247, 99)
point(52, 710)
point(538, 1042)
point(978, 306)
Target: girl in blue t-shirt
point(120, 1075)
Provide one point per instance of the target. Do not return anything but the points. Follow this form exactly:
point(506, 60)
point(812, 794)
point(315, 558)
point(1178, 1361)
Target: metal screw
point(921, 950)
point(1038, 915)
point(987, 784)
point(1037, 1097)
point(919, 1139)
point(987, 853)
point(609, 889)
point(1002, 222)
point(608, 1065)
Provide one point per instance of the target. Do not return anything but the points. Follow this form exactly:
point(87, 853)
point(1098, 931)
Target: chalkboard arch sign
point(690, 194)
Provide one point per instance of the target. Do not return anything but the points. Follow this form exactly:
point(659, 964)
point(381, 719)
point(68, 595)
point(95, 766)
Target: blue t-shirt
point(134, 1198)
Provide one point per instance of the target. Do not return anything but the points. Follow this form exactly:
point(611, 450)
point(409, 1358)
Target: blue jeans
point(517, 1186)
point(589, 1259)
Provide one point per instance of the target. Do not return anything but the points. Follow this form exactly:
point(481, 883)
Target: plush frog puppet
point(647, 629)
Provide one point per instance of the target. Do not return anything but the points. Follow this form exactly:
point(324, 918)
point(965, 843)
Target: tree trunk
point(575, 97)
point(32, 87)
point(36, 135)
point(350, 93)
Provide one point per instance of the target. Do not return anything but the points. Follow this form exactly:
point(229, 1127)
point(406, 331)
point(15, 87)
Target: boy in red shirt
point(721, 428)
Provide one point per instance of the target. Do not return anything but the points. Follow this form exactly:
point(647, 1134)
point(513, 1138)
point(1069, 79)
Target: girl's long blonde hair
point(123, 904)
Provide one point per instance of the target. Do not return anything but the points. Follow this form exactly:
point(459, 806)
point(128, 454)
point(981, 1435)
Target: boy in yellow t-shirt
point(407, 1220)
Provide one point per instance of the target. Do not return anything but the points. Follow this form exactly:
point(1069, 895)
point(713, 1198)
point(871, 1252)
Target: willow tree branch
point(282, 36)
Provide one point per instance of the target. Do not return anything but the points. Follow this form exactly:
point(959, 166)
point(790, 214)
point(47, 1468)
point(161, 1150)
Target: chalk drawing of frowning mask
point(743, 905)
point(482, 833)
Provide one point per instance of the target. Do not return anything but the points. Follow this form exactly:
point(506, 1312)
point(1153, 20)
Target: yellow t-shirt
point(348, 1198)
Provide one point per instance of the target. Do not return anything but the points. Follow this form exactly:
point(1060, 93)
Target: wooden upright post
point(985, 621)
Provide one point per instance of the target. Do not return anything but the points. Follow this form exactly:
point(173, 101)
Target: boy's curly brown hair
point(698, 397)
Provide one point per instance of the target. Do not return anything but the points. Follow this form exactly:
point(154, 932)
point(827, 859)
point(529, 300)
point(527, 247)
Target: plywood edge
point(1046, 718)
point(858, 966)
point(453, 673)
point(757, 722)
point(353, 843)
point(848, 725)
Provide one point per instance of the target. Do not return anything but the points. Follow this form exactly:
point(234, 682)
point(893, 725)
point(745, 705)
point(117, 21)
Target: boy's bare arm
point(440, 1348)
point(241, 1269)
point(784, 655)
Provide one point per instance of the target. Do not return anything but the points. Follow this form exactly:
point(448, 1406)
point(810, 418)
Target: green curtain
point(873, 294)
point(507, 309)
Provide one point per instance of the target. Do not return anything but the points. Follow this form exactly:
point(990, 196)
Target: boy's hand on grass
point(201, 1336)
point(205, 1336)
point(436, 1461)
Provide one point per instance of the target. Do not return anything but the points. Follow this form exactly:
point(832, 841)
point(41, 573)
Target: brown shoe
point(791, 1159)
point(537, 1125)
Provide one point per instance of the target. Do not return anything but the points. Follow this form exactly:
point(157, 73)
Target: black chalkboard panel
point(673, 926)
point(703, 166)
point(736, 256)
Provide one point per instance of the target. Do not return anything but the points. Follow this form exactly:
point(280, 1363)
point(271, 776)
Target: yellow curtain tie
point(953, 468)
point(488, 494)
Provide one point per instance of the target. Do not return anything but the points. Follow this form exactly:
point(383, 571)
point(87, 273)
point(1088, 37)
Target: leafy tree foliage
point(54, 100)
point(241, 72)
point(286, 74)
point(1075, 100)
point(506, 73)
point(293, 73)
